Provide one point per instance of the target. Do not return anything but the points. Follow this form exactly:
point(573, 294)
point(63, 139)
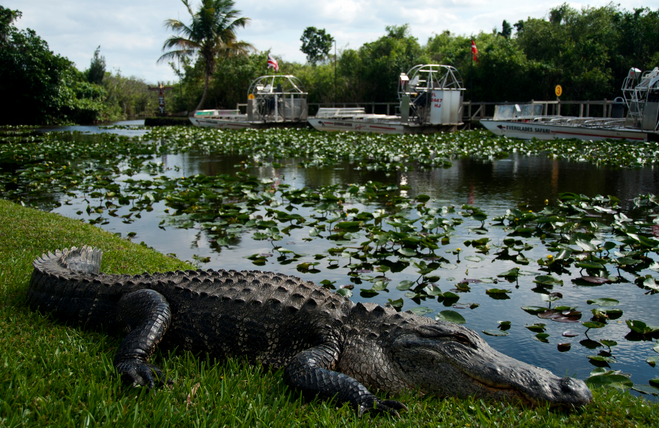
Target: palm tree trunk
point(203, 95)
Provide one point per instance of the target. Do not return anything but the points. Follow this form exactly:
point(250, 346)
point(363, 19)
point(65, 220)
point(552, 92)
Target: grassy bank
point(56, 375)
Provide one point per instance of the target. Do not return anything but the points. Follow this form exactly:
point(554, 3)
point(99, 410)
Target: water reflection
point(496, 184)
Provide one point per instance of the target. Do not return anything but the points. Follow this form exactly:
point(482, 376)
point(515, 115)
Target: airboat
point(641, 122)
point(430, 97)
point(272, 101)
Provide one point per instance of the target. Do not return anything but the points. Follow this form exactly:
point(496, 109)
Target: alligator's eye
point(446, 335)
point(462, 338)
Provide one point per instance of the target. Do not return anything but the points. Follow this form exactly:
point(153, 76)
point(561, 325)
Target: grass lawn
point(57, 375)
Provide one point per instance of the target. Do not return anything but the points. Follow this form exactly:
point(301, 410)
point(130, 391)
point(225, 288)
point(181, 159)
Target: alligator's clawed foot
point(376, 406)
point(138, 373)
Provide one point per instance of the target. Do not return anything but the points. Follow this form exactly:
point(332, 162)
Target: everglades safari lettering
point(528, 129)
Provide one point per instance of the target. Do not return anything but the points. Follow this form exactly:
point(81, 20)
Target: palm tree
point(211, 34)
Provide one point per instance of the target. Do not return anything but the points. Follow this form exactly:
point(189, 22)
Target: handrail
point(476, 110)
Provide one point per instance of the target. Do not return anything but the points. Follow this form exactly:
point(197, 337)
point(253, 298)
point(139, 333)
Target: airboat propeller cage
point(276, 98)
point(432, 93)
point(641, 93)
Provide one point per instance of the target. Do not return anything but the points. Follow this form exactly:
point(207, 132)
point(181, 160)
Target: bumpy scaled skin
point(329, 347)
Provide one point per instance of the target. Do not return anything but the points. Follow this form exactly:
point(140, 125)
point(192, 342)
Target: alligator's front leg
point(144, 315)
point(311, 372)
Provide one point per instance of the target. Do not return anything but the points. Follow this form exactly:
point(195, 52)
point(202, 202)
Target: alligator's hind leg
point(144, 315)
point(311, 372)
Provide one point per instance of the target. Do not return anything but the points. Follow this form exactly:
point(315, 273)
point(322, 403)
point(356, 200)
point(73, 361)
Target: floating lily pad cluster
point(395, 152)
point(375, 231)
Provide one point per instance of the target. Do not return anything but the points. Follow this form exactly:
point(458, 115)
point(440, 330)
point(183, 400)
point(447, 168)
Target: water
point(128, 128)
point(493, 186)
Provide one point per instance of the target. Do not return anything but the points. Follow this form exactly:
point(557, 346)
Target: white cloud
point(131, 33)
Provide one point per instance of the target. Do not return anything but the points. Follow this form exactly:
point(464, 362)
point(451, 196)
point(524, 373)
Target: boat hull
point(541, 131)
point(326, 124)
point(242, 124)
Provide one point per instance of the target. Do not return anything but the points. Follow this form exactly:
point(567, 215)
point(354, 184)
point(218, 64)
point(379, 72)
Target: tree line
point(44, 88)
point(588, 52)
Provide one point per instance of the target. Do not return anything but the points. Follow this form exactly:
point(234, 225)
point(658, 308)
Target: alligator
point(328, 346)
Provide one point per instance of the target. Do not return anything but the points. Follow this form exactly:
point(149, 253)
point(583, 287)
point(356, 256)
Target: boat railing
point(476, 110)
point(216, 113)
point(588, 122)
point(337, 112)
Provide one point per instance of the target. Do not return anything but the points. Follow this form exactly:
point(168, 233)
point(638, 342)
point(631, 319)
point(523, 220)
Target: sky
point(131, 32)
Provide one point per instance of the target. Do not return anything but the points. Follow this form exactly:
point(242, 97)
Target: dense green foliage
point(127, 97)
point(316, 44)
point(96, 70)
point(588, 52)
point(41, 87)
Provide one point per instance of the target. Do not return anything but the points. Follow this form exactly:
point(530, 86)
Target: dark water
point(494, 186)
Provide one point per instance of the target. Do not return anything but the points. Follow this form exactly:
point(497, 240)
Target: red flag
point(474, 50)
point(272, 63)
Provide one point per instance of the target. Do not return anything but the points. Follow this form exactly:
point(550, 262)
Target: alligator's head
point(448, 359)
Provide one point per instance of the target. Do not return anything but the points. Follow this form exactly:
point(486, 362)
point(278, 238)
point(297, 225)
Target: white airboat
point(641, 123)
point(272, 101)
point(430, 101)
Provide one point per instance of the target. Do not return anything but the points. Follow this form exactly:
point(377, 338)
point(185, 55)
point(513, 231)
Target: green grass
point(57, 375)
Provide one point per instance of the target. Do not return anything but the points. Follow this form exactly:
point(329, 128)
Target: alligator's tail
point(69, 284)
point(82, 260)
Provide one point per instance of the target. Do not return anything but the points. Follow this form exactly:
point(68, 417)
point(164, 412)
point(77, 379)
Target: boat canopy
point(431, 94)
point(276, 98)
point(641, 93)
point(426, 77)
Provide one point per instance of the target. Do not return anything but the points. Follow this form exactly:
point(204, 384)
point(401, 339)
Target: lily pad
point(433, 290)
point(593, 324)
point(652, 361)
point(497, 291)
point(642, 328)
point(590, 344)
point(495, 333)
point(512, 273)
point(504, 325)
point(564, 347)
point(646, 389)
point(536, 328)
point(420, 310)
point(608, 378)
point(472, 280)
point(345, 292)
point(591, 280)
point(548, 280)
point(407, 252)
point(601, 358)
point(466, 305)
point(568, 316)
point(542, 337)
point(450, 316)
point(396, 304)
point(605, 301)
point(534, 310)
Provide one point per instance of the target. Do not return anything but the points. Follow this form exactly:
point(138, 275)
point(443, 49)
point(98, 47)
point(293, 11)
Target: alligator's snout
point(575, 391)
point(448, 359)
